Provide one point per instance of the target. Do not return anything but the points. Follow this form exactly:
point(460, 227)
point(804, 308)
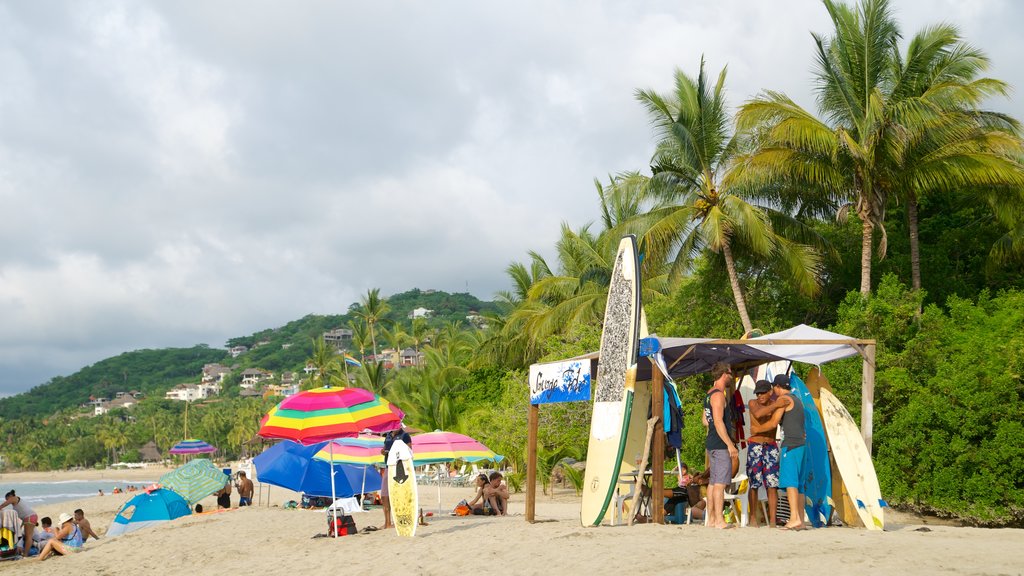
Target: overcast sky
point(178, 173)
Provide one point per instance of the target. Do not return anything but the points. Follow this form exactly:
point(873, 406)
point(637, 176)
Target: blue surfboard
point(818, 487)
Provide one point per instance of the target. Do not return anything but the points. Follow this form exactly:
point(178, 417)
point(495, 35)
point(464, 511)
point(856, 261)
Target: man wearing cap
point(791, 459)
point(762, 450)
point(720, 447)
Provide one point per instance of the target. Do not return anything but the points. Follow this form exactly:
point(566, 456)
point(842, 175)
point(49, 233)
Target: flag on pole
point(352, 361)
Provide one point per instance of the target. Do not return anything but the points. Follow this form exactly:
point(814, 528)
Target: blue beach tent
point(291, 465)
point(148, 509)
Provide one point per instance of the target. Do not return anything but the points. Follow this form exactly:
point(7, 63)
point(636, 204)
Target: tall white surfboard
point(616, 380)
point(854, 461)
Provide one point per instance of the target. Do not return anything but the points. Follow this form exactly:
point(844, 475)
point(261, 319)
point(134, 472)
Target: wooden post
point(658, 446)
point(867, 398)
point(531, 463)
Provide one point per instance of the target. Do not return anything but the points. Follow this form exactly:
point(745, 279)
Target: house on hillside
point(339, 337)
point(215, 373)
point(420, 313)
point(410, 357)
point(237, 351)
point(192, 392)
point(253, 376)
point(123, 400)
point(250, 393)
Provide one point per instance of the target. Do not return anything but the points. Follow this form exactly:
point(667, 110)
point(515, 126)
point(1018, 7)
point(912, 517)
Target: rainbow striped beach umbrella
point(329, 413)
point(192, 446)
point(439, 446)
point(363, 449)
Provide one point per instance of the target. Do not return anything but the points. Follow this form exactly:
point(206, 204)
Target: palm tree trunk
point(865, 256)
point(373, 338)
point(737, 294)
point(915, 255)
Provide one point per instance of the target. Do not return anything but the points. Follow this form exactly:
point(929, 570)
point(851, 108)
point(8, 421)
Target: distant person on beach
point(719, 445)
point(763, 451)
point(66, 541)
point(84, 526)
point(224, 496)
point(791, 460)
point(244, 490)
point(28, 516)
point(476, 505)
point(496, 494)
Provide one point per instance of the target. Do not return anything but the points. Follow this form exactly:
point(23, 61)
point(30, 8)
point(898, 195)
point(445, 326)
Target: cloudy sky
point(177, 173)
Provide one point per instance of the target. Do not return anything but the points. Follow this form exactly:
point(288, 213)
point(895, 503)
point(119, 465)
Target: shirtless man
point(244, 490)
point(496, 493)
point(84, 526)
point(763, 451)
point(791, 460)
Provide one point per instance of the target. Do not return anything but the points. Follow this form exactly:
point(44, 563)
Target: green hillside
point(275, 349)
point(148, 371)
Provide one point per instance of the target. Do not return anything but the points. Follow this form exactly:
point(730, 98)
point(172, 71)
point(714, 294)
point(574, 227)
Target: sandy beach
point(273, 540)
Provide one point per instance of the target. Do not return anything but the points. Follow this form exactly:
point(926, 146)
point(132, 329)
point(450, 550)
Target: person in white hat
point(67, 540)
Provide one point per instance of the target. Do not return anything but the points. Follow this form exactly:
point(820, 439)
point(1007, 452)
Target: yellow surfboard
point(402, 489)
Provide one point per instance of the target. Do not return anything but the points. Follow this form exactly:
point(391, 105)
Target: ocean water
point(37, 493)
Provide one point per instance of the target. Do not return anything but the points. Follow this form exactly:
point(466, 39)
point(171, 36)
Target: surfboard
point(616, 383)
point(842, 506)
point(818, 487)
point(854, 461)
point(402, 489)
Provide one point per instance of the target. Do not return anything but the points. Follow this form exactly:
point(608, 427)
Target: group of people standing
point(768, 464)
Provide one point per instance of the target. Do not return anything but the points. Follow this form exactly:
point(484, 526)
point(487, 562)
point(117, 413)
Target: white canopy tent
point(689, 356)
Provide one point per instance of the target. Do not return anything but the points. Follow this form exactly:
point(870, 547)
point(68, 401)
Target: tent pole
point(658, 445)
point(867, 397)
point(333, 498)
point(531, 463)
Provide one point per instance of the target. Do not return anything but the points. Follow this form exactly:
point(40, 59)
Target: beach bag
point(462, 510)
point(343, 526)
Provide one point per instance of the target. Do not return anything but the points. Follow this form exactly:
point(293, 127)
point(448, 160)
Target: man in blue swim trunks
point(791, 461)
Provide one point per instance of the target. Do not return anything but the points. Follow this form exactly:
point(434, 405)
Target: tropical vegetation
point(891, 210)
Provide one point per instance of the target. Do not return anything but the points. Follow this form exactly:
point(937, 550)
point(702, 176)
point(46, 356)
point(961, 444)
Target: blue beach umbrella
point(148, 509)
point(293, 466)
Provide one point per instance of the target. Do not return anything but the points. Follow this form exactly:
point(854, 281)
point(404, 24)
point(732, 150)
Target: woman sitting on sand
point(66, 541)
point(476, 505)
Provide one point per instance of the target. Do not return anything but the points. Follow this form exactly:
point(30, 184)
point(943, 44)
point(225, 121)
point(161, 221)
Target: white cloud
point(180, 173)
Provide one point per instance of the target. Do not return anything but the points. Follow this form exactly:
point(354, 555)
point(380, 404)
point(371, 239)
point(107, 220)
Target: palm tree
point(697, 206)
point(395, 337)
point(418, 334)
point(360, 337)
point(326, 366)
point(372, 310)
point(894, 126)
